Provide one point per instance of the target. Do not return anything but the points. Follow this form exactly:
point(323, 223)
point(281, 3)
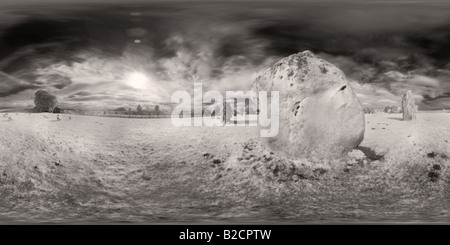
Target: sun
point(137, 80)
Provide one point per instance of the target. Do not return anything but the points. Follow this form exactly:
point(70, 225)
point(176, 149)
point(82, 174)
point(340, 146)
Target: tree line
point(138, 111)
point(46, 102)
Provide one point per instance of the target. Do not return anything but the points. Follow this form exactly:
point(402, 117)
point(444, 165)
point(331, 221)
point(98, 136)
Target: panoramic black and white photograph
point(224, 112)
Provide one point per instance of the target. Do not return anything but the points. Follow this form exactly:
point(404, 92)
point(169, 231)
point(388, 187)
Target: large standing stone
point(320, 115)
point(409, 106)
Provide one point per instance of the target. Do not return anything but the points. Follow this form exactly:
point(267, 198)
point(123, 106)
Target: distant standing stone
point(227, 112)
point(409, 106)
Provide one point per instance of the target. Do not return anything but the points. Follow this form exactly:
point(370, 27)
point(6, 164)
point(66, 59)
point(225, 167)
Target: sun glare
point(137, 80)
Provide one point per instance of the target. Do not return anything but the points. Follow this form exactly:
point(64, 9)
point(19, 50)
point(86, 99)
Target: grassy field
point(112, 170)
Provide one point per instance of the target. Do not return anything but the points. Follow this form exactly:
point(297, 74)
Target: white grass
point(98, 169)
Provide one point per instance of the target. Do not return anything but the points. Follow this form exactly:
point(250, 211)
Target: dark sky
point(110, 55)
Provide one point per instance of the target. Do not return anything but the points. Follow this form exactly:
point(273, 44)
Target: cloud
point(10, 85)
point(374, 95)
point(424, 81)
point(89, 56)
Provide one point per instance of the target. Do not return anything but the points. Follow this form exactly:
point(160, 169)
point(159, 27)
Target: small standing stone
point(227, 112)
point(409, 106)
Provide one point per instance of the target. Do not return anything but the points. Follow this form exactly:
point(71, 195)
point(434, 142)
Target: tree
point(122, 109)
point(139, 110)
point(157, 110)
point(369, 110)
point(45, 101)
point(391, 109)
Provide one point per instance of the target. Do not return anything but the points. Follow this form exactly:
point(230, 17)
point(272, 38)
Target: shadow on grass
point(371, 154)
